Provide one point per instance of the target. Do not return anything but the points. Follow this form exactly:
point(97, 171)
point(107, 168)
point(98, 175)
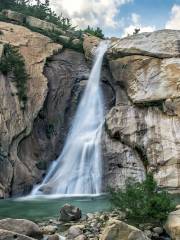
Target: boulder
point(74, 232)
point(147, 79)
point(81, 237)
point(160, 44)
point(90, 43)
point(31, 21)
point(118, 230)
point(21, 226)
point(49, 229)
point(178, 207)
point(158, 230)
point(76, 42)
point(8, 235)
point(70, 213)
point(172, 225)
point(41, 24)
point(64, 39)
point(15, 16)
point(53, 237)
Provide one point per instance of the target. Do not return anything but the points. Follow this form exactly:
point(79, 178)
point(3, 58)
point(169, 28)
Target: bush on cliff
point(94, 32)
point(13, 62)
point(142, 202)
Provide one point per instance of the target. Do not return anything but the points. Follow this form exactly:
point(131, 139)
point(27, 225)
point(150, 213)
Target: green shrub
point(7, 4)
point(54, 35)
point(13, 62)
point(142, 202)
point(95, 32)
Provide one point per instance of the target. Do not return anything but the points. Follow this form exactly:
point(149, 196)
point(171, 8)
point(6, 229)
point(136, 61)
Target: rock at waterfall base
point(70, 213)
point(118, 230)
point(172, 225)
point(21, 226)
point(74, 232)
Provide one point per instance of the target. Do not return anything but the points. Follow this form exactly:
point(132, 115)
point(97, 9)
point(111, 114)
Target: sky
point(119, 18)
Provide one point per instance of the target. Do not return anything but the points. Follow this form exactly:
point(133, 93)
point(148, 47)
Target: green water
point(41, 209)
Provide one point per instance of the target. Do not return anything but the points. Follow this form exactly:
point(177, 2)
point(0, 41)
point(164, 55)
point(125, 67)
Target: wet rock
point(21, 226)
point(70, 213)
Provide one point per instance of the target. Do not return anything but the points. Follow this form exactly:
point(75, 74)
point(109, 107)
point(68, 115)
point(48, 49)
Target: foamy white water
point(78, 170)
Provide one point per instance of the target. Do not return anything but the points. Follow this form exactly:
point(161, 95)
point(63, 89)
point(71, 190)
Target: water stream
point(78, 170)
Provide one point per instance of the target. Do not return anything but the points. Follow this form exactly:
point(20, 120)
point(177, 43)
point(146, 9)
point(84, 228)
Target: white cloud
point(136, 23)
point(102, 13)
point(174, 22)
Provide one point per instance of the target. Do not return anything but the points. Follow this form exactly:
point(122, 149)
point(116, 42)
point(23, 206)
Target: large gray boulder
point(21, 226)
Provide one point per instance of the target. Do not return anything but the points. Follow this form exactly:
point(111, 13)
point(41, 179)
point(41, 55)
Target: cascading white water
point(78, 168)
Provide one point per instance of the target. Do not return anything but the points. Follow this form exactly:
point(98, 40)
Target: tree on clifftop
point(7, 4)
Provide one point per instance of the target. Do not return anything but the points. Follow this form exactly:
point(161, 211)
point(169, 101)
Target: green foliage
point(13, 62)
point(95, 32)
point(40, 10)
point(6, 4)
point(56, 38)
point(142, 202)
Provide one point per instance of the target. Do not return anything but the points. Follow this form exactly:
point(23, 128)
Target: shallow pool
point(43, 208)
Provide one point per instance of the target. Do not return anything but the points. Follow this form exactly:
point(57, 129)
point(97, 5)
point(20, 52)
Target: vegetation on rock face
point(95, 32)
point(39, 10)
point(142, 202)
point(43, 11)
point(13, 62)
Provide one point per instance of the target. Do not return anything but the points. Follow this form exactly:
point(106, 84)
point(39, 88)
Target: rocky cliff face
point(146, 71)
point(140, 80)
point(15, 123)
point(31, 139)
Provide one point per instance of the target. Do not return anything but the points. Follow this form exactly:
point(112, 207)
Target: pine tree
point(5, 4)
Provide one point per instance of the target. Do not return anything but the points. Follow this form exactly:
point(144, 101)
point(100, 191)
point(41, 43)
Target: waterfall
point(78, 169)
